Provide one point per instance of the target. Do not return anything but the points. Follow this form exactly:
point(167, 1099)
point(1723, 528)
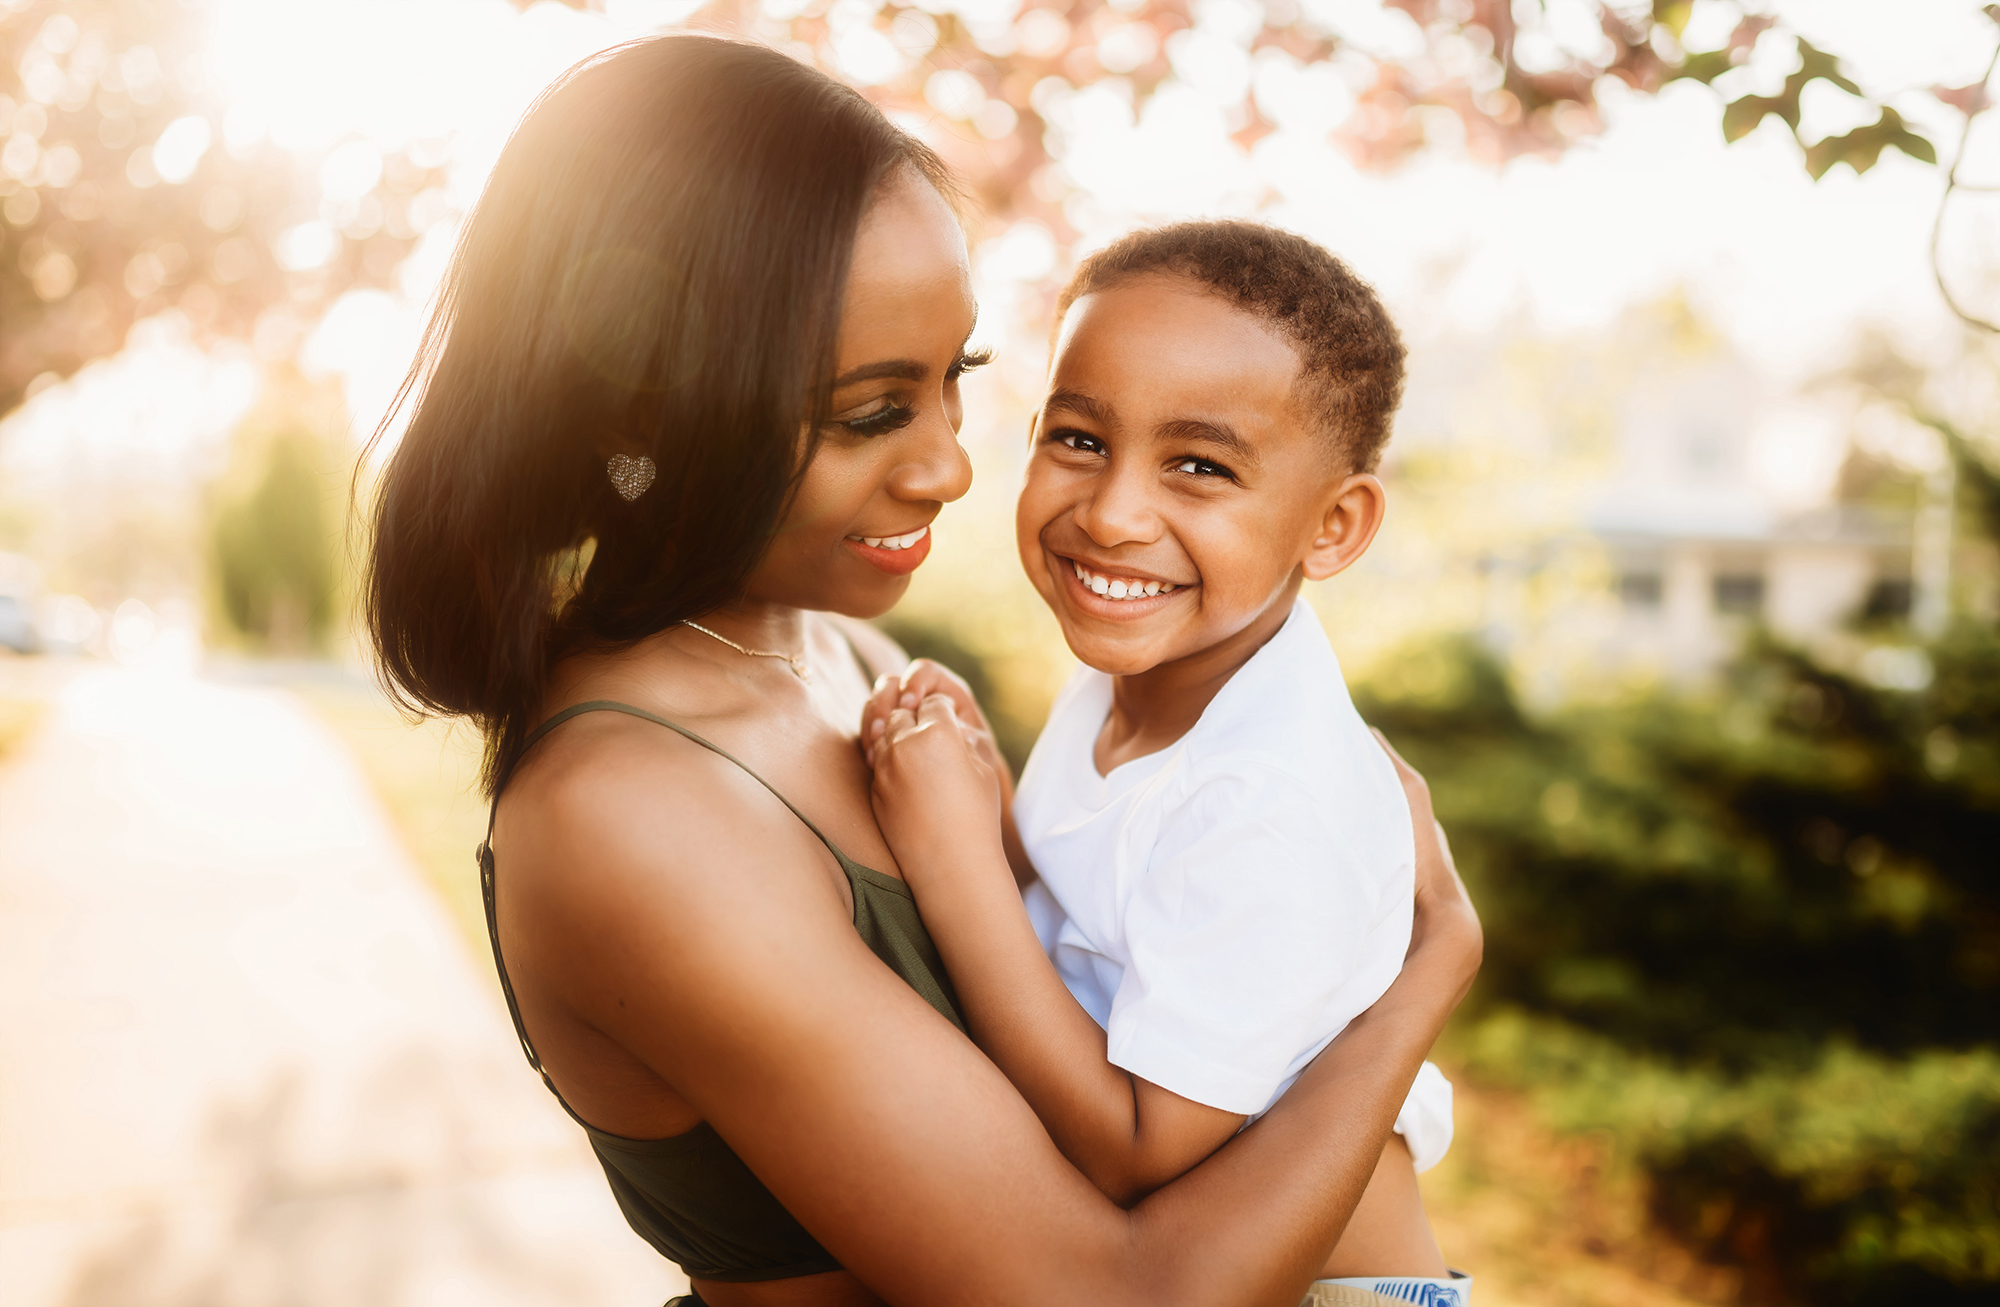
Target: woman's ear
point(1353, 515)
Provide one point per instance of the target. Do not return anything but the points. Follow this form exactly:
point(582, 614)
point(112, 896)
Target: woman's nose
point(938, 469)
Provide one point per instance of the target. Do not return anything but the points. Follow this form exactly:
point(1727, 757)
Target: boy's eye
point(883, 416)
point(1201, 467)
point(1081, 441)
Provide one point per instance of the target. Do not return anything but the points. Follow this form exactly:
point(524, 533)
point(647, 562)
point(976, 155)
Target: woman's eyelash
point(885, 419)
point(965, 363)
point(892, 416)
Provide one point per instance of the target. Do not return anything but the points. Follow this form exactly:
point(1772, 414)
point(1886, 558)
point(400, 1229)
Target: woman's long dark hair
point(658, 259)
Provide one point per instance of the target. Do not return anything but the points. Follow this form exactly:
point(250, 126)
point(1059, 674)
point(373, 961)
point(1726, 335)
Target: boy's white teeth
point(893, 542)
point(1121, 588)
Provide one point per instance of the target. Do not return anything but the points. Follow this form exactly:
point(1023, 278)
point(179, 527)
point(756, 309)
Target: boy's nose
point(1118, 510)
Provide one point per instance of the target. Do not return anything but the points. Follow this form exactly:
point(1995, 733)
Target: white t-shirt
point(1224, 907)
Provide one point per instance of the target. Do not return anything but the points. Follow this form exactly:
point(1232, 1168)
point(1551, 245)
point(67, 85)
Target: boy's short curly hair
point(1350, 353)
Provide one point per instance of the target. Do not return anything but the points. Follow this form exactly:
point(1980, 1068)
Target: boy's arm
point(1128, 1135)
point(936, 804)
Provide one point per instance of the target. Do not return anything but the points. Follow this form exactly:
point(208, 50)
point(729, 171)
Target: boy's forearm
point(1017, 852)
point(1022, 1016)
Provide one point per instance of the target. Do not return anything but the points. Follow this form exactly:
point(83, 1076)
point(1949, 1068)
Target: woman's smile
point(896, 555)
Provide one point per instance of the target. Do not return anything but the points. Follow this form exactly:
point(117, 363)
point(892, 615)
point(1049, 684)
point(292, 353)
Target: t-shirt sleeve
point(1257, 930)
point(1425, 1121)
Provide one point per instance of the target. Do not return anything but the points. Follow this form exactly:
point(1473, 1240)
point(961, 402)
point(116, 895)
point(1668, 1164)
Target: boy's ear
point(1354, 511)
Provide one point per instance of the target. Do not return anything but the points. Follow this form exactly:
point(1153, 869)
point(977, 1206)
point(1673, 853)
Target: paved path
point(245, 1060)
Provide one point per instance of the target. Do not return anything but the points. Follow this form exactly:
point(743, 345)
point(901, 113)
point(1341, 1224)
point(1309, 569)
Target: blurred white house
point(1645, 497)
point(1724, 513)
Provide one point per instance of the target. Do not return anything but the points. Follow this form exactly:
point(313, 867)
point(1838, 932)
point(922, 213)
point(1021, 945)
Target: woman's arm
point(651, 902)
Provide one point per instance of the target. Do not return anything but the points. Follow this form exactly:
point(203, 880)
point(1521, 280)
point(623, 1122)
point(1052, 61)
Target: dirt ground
point(250, 1058)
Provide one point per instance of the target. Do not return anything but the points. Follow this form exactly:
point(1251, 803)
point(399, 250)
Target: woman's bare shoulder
point(612, 817)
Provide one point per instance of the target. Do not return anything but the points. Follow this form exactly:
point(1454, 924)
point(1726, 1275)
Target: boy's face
point(1171, 462)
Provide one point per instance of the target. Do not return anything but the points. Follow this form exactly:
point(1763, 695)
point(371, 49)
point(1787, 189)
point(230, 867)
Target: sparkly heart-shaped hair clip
point(630, 475)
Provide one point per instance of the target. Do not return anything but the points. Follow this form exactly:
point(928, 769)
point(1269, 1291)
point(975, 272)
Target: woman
point(688, 407)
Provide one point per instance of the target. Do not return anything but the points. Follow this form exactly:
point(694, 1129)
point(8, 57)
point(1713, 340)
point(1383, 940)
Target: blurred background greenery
point(1689, 605)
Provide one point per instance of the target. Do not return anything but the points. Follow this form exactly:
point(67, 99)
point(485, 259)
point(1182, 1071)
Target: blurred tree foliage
point(1755, 934)
point(127, 188)
point(275, 547)
point(1519, 78)
point(123, 193)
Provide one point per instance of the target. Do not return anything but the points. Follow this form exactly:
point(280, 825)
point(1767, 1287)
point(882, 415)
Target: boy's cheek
point(1030, 517)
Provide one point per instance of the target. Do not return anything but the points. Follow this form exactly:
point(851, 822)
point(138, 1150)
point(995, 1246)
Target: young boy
point(1224, 853)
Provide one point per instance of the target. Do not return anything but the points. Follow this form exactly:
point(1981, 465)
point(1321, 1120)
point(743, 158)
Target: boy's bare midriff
point(1389, 1233)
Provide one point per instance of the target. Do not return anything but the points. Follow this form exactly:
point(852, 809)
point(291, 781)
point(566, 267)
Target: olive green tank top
point(690, 1195)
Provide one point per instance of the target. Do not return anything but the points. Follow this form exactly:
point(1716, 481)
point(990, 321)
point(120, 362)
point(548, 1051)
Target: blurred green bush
point(1753, 933)
point(275, 544)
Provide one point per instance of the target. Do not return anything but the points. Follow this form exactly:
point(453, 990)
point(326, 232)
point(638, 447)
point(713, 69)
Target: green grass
point(1546, 1218)
point(426, 776)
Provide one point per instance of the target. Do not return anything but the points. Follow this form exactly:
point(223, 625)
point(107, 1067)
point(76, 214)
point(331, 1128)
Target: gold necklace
point(797, 661)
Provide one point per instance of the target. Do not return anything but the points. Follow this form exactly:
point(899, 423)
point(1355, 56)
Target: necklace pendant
point(799, 668)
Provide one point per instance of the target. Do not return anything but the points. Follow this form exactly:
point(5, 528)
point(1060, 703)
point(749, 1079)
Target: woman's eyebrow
point(900, 369)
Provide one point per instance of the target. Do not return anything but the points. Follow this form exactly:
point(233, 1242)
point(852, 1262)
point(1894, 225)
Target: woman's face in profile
point(889, 458)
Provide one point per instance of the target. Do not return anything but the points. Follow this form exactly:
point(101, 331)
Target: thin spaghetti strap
point(612, 705)
point(485, 856)
point(486, 859)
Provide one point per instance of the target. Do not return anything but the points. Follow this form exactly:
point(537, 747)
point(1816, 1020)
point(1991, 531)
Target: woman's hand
point(1445, 919)
point(934, 790)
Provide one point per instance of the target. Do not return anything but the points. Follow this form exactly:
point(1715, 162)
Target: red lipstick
point(896, 562)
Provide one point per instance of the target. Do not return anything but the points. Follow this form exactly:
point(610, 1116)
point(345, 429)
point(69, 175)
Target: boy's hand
point(933, 790)
point(920, 680)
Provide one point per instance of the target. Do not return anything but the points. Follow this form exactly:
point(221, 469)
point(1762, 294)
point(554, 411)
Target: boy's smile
point(1178, 490)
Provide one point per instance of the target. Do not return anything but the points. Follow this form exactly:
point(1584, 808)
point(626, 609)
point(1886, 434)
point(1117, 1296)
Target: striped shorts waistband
point(1390, 1291)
